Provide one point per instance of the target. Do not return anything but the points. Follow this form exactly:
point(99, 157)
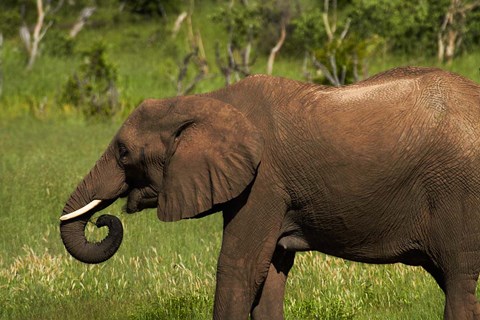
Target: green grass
point(162, 270)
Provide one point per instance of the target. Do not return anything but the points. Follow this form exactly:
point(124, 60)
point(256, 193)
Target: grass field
point(162, 270)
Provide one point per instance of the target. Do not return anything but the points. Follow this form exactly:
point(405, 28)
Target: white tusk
point(80, 211)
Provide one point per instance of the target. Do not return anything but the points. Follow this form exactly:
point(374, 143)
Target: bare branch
point(345, 30)
point(307, 75)
point(470, 7)
point(278, 46)
point(85, 14)
point(326, 21)
point(224, 69)
point(178, 23)
point(36, 34)
point(26, 38)
point(181, 89)
point(202, 57)
point(32, 40)
point(343, 76)
point(192, 85)
point(183, 72)
point(58, 7)
point(355, 67)
point(324, 70)
point(44, 31)
point(333, 64)
point(246, 57)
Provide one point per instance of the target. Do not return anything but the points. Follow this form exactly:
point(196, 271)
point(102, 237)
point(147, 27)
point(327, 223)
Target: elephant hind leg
point(269, 301)
point(459, 288)
point(460, 301)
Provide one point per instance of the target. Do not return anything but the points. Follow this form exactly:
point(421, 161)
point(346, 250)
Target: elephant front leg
point(239, 278)
point(250, 235)
point(269, 302)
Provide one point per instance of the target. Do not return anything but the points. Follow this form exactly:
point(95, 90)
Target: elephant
point(386, 170)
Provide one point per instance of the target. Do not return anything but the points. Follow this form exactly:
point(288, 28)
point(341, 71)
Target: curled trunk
point(76, 243)
point(105, 182)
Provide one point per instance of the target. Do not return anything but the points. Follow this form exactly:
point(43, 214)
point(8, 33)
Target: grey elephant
point(383, 171)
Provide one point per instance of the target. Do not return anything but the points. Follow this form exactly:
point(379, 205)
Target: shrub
point(10, 22)
point(59, 44)
point(92, 88)
point(400, 21)
point(151, 8)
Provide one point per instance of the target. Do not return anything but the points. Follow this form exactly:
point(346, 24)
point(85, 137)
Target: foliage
point(351, 57)
point(257, 22)
point(308, 31)
point(9, 21)
point(407, 26)
point(471, 33)
point(93, 87)
point(59, 44)
point(242, 23)
point(340, 59)
point(150, 8)
point(13, 13)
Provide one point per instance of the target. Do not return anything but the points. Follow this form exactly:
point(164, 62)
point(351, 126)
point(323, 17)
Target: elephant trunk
point(76, 243)
point(90, 197)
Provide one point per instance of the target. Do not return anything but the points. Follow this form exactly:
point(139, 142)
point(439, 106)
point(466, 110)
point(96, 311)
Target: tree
point(407, 26)
point(338, 54)
point(31, 40)
point(201, 67)
point(283, 13)
point(452, 29)
point(242, 24)
point(195, 58)
point(251, 26)
point(82, 19)
point(92, 89)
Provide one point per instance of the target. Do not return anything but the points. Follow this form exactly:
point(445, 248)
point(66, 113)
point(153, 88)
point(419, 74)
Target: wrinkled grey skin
point(383, 171)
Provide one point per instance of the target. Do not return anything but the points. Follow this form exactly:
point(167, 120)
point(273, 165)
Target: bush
point(351, 57)
point(92, 88)
point(400, 22)
point(58, 44)
point(150, 8)
point(10, 22)
point(308, 32)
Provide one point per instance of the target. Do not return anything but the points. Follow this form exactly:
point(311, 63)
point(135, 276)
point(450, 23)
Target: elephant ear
point(214, 155)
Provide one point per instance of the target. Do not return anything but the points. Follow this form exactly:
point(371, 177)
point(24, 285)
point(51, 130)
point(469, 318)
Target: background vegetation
point(90, 68)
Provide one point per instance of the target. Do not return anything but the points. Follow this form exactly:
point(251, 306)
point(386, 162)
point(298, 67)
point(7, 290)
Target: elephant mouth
point(139, 199)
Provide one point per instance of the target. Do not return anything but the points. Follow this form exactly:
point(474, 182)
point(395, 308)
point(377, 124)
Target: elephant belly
point(360, 234)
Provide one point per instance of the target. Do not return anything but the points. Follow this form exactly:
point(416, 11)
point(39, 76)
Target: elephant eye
point(123, 152)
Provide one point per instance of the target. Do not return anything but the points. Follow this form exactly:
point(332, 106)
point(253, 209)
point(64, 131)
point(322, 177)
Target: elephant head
point(183, 156)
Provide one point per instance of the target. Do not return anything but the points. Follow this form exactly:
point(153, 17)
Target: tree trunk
point(36, 35)
point(450, 34)
point(278, 46)
point(85, 14)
